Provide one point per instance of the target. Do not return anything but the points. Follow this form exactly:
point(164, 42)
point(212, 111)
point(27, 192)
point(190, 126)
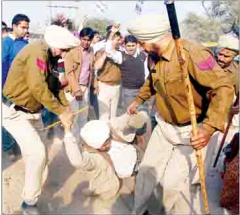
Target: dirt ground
point(62, 192)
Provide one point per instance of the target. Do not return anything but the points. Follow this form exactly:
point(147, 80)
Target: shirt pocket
point(156, 80)
point(174, 84)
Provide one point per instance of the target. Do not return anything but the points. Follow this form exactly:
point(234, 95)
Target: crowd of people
point(134, 119)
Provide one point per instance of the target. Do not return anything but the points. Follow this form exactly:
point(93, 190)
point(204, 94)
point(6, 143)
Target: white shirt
point(117, 57)
point(98, 46)
point(124, 157)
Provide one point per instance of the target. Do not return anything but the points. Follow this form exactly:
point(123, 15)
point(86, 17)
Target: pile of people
point(115, 79)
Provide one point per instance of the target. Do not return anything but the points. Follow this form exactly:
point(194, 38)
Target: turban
point(149, 28)
point(229, 42)
point(125, 126)
point(61, 38)
point(95, 133)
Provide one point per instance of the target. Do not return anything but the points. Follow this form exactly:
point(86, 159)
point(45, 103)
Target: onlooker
point(107, 84)
point(11, 45)
point(79, 72)
point(20, 25)
point(100, 45)
point(5, 30)
point(133, 64)
point(96, 38)
point(229, 49)
point(27, 36)
point(230, 189)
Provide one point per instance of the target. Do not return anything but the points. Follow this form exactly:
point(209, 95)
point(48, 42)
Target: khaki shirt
point(73, 63)
point(104, 180)
point(110, 73)
point(212, 89)
point(233, 71)
point(27, 84)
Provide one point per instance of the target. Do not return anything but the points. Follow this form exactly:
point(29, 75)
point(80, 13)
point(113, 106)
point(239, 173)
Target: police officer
point(169, 163)
point(29, 87)
point(228, 49)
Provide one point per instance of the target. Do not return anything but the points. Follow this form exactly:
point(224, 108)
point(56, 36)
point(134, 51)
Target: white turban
point(229, 42)
point(61, 38)
point(149, 28)
point(95, 133)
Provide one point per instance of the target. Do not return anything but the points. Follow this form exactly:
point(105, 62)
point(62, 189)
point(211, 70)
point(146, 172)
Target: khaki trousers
point(108, 99)
point(167, 171)
point(81, 119)
point(27, 129)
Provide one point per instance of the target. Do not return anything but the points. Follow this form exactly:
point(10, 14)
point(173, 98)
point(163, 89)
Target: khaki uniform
point(28, 87)
point(169, 165)
point(27, 83)
point(73, 64)
point(104, 181)
point(233, 71)
point(109, 78)
point(208, 81)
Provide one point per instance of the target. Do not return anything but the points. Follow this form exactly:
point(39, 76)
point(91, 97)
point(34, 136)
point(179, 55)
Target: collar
point(169, 51)
point(12, 36)
point(86, 50)
point(231, 68)
point(136, 53)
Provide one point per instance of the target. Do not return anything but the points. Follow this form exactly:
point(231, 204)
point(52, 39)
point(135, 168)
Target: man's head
point(228, 50)
point(27, 36)
point(5, 30)
point(96, 37)
point(131, 44)
point(60, 40)
point(20, 25)
point(116, 39)
point(96, 134)
point(86, 36)
point(152, 32)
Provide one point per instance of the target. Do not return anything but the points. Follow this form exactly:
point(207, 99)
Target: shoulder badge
point(207, 64)
point(42, 65)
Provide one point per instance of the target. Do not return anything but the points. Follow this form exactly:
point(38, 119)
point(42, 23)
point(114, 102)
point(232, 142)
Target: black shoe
point(29, 209)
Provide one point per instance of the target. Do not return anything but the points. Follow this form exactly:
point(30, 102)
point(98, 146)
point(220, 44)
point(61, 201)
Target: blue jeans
point(94, 101)
point(8, 142)
point(48, 117)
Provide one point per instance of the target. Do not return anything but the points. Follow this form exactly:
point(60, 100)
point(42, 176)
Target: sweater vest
point(133, 73)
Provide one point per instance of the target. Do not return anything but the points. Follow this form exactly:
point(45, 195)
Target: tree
point(227, 12)
point(200, 28)
point(99, 25)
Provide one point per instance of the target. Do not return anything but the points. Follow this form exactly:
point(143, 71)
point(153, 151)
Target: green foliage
point(99, 25)
point(200, 28)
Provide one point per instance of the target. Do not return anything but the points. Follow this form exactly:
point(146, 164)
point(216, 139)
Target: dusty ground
point(62, 191)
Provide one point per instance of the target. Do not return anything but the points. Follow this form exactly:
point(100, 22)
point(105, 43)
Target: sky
point(120, 11)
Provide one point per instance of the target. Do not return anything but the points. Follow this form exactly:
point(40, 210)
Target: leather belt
point(9, 103)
